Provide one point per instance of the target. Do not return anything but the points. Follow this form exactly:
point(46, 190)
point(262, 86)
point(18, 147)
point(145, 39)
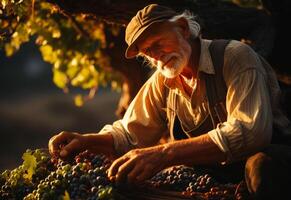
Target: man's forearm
point(101, 143)
point(194, 151)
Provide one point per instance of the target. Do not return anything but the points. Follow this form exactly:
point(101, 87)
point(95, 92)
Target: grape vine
point(72, 44)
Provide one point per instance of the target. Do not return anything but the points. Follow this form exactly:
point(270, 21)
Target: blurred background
point(32, 108)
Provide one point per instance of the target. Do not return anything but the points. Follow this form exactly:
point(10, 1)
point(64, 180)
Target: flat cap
point(143, 19)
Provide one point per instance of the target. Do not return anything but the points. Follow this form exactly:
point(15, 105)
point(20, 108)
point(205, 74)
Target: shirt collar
point(205, 65)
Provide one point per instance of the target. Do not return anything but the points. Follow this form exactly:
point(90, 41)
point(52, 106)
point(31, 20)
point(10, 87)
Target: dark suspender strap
point(215, 91)
point(215, 85)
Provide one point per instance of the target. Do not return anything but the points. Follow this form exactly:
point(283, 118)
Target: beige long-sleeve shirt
point(252, 104)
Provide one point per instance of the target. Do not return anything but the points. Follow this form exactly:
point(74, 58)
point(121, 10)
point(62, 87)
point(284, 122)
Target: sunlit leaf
point(72, 70)
point(29, 165)
point(90, 83)
point(56, 33)
point(9, 50)
point(46, 51)
point(66, 196)
point(60, 79)
point(4, 3)
point(82, 76)
point(77, 59)
point(78, 99)
point(57, 64)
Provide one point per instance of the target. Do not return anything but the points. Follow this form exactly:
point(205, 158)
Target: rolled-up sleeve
point(144, 122)
point(249, 122)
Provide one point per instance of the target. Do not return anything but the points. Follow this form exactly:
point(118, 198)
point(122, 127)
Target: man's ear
point(183, 24)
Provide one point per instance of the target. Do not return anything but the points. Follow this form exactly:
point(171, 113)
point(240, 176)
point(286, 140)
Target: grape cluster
point(15, 184)
point(195, 182)
point(182, 178)
point(83, 178)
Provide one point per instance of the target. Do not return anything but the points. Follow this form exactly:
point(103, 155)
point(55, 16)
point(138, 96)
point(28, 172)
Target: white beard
point(172, 66)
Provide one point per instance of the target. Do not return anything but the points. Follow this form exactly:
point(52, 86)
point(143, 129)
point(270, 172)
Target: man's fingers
point(148, 172)
point(52, 148)
point(123, 171)
point(115, 166)
point(74, 145)
point(57, 140)
point(138, 168)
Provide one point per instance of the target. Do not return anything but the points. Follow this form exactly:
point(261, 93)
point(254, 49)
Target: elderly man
point(217, 102)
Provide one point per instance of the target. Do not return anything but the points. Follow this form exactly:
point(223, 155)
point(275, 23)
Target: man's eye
point(157, 46)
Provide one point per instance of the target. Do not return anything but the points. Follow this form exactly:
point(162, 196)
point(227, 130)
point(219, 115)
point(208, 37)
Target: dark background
point(32, 108)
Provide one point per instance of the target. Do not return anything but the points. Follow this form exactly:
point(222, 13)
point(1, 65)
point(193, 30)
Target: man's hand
point(139, 164)
point(65, 144)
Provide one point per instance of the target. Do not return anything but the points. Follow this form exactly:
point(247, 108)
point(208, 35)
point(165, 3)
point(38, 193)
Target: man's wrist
point(100, 143)
point(168, 151)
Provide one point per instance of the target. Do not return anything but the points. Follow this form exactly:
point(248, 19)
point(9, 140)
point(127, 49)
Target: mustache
point(168, 58)
point(167, 62)
point(150, 62)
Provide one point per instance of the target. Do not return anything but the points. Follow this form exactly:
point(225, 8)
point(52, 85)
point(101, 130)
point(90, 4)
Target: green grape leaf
point(29, 165)
point(77, 60)
point(66, 196)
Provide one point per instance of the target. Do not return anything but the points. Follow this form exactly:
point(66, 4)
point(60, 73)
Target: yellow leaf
point(82, 76)
point(4, 3)
point(60, 79)
point(79, 100)
point(29, 165)
point(90, 83)
point(72, 70)
point(56, 33)
point(9, 49)
point(47, 52)
point(66, 196)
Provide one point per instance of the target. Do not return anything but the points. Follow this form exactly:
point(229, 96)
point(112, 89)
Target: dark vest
point(215, 92)
point(216, 96)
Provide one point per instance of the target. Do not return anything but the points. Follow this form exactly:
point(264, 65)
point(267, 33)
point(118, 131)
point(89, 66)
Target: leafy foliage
point(72, 44)
point(36, 166)
point(29, 165)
